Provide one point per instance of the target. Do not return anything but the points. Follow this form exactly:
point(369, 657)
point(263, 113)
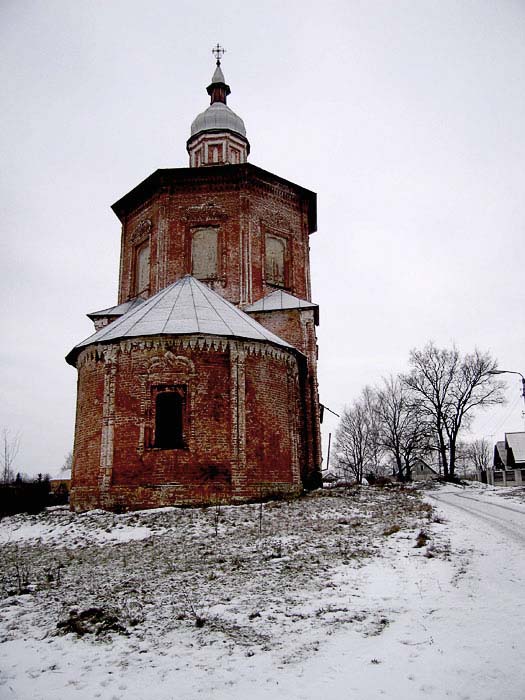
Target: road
point(501, 518)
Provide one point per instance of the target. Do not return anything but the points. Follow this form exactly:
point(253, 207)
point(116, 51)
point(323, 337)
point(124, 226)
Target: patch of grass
point(422, 539)
point(391, 530)
point(97, 621)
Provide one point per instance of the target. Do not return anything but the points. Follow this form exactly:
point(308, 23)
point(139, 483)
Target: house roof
point(186, 307)
point(500, 450)
point(516, 442)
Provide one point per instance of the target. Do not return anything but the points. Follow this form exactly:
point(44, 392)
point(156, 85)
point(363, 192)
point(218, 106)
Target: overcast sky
point(405, 116)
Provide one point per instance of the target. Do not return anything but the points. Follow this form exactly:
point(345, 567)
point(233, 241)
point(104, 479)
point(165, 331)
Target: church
point(200, 385)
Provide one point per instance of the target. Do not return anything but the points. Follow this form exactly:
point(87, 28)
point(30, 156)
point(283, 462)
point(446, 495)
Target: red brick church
point(201, 383)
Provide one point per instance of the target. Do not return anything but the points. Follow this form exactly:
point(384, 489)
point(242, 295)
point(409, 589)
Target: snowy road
point(506, 519)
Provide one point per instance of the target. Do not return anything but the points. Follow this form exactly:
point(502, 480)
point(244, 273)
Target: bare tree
point(10, 447)
point(356, 438)
point(68, 462)
point(403, 430)
point(480, 454)
point(450, 388)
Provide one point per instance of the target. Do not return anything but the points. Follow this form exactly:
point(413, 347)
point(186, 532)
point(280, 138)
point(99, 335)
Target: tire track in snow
point(508, 520)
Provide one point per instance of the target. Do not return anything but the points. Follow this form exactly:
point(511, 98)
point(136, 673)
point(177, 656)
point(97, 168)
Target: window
point(204, 254)
point(510, 474)
point(142, 268)
point(498, 476)
point(523, 474)
point(276, 260)
point(170, 409)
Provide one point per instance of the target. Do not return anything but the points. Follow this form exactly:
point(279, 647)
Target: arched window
point(170, 406)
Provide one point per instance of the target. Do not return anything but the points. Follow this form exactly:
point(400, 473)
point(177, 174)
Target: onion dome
point(218, 135)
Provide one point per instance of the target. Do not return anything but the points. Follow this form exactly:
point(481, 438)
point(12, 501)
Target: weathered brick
point(251, 411)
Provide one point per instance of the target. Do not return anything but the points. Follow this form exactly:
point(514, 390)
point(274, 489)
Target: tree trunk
point(444, 456)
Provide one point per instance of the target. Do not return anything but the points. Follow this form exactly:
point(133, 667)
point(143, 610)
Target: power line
point(493, 428)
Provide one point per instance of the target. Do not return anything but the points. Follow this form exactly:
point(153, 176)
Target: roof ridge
point(146, 307)
point(175, 302)
point(207, 289)
point(194, 305)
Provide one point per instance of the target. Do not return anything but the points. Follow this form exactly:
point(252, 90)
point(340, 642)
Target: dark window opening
point(169, 419)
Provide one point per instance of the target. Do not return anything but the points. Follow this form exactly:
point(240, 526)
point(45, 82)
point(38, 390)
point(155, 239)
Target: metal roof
point(218, 117)
point(186, 307)
point(118, 310)
point(516, 442)
point(280, 300)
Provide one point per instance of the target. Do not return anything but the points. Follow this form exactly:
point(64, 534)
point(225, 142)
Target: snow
point(319, 602)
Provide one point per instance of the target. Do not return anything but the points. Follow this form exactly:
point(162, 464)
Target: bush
point(24, 496)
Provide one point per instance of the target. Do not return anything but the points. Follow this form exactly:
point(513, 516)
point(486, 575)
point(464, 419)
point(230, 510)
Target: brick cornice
point(222, 177)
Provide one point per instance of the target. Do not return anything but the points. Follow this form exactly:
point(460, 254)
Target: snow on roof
point(516, 442)
point(281, 300)
point(184, 308)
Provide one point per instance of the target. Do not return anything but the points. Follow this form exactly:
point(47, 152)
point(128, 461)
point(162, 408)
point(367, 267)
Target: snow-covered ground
point(327, 597)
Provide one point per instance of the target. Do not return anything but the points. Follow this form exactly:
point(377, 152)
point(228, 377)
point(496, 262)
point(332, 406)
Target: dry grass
point(230, 575)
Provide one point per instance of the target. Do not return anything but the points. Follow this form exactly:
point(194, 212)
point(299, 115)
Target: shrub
point(24, 496)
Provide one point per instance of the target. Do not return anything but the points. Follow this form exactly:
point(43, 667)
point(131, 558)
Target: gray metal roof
point(218, 117)
point(118, 310)
point(281, 300)
point(516, 442)
point(186, 307)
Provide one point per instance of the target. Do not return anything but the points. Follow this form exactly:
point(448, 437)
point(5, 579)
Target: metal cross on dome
point(218, 52)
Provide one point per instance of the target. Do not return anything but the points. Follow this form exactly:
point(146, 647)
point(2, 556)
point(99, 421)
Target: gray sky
point(406, 117)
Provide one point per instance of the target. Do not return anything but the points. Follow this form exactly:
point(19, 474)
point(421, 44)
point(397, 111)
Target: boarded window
point(276, 260)
point(204, 253)
point(169, 419)
point(142, 268)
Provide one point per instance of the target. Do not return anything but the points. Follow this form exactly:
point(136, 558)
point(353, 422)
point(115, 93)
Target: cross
point(218, 52)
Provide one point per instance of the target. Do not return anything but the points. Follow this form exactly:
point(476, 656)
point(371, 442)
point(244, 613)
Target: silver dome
point(218, 117)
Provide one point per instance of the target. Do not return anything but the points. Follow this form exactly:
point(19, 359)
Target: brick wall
point(242, 423)
point(251, 411)
point(242, 206)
